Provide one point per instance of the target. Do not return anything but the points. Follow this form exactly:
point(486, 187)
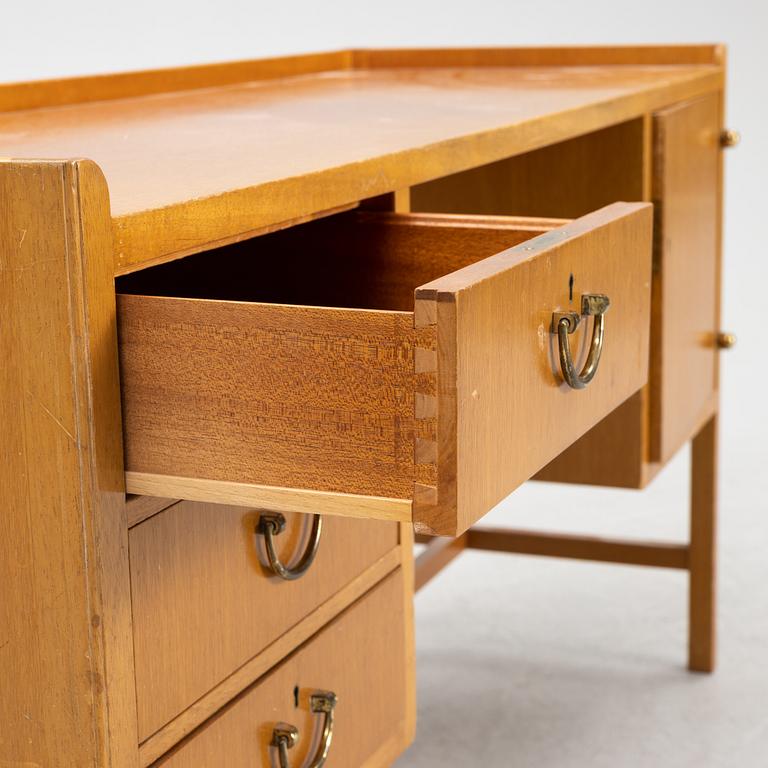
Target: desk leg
point(702, 599)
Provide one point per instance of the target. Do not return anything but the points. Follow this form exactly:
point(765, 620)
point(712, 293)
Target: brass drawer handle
point(273, 523)
point(565, 323)
point(286, 736)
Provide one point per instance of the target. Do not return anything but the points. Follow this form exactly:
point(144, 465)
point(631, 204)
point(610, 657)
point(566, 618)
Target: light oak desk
point(297, 308)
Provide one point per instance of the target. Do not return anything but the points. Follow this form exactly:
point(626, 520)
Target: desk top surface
point(200, 165)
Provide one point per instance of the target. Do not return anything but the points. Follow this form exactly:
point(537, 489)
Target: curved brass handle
point(565, 323)
point(273, 523)
point(284, 737)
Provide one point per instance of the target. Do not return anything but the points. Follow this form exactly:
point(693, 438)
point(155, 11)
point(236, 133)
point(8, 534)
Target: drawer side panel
point(274, 395)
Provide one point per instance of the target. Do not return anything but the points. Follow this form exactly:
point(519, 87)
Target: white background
point(577, 658)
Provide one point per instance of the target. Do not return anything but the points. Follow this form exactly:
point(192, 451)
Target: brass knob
point(725, 340)
point(729, 138)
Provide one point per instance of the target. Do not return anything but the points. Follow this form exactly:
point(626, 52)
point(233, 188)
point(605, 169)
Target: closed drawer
point(205, 600)
point(394, 366)
point(362, 657)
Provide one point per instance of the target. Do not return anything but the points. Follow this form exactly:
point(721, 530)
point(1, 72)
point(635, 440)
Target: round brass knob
point(725, 340)
point(729, 138)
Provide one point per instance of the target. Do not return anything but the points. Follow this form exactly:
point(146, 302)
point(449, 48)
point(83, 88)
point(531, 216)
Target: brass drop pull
point(565, 323)
point(284, 737)
point(273, 523)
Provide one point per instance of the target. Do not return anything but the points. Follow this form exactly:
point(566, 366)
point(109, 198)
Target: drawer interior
point(372, 355)
point(287, 361)
point(356, 260)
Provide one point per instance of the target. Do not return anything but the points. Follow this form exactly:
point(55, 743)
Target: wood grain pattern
point(284, 142)
point(359, 260)
point(125, 85)
point(139, 508)
point(270, 497)
point(403, 127)
point(567, 179)
point(570, 178)
point(540, 56)
point(65, 651)
point(270, 395)
point(495, 379)
point(372, 693)
point(613, 453)
point(382, 419)
point(122, 85)
point(686, 190)
point(408, 570)
point(687, 197)
point(204, 602)
point(207, 706)
point(702, 594)
point(648, 553)
point(439, 553)
point(243, 402)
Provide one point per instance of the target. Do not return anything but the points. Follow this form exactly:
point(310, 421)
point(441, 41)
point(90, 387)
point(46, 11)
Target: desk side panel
point(65, 667)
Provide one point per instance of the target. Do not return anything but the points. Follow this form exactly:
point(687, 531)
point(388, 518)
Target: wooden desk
point(345, 285)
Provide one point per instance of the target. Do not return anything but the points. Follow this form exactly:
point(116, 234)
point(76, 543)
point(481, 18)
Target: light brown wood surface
point(206, 706)
point(287, 396)
point(686, 193)
point(497, 383)
point(649, 553)
point(270, 497)
point(79, 90)
point(200, 157)
point(400, 127)
point(65, 650)
point(567, 179)
point(349, 400)
point(205, 601)
point(702, 596)
point(290, 395)
point(439, 553)
point(540, 56)
point(681, 395)
point(408, 569)
point(570, 178)
point(139, 508)
point(360, 657)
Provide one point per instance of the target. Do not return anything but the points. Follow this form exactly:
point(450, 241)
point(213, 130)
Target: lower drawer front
point(361, 657)
point(205, 602)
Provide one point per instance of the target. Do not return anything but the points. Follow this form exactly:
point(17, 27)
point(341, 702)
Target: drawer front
point(493, 394)
point(205, 600)
point(362, 657)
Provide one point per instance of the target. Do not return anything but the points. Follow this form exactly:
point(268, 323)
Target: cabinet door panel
point(686, 183)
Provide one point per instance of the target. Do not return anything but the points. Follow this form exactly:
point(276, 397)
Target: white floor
point(527, 661)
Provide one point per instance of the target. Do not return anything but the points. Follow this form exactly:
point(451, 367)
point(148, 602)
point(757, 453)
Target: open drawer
point(396, 366)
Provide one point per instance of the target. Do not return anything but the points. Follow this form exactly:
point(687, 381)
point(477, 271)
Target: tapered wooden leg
point(702, 599)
